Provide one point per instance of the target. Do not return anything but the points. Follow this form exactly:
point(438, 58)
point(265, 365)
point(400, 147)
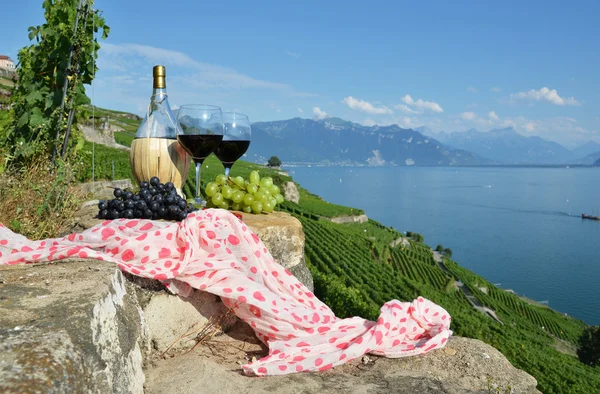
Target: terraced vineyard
point(356, 271)
point(315, 205)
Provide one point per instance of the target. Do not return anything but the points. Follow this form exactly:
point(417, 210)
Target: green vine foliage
point(42, 69)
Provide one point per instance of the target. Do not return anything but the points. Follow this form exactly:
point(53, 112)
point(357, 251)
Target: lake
point(520, 228)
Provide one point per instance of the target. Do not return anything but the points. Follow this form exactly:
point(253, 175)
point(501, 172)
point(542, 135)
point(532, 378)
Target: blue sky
point(451, 66)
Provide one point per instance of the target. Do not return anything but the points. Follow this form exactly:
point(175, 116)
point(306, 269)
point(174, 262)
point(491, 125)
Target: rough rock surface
point(82, 326)
point(290, 192)
point(168, 317)
point(350, 219)
point(69, 327)
point(280, 231)
point(104, 189)
point(284, 237)
point(463, 366)
point(104, 136)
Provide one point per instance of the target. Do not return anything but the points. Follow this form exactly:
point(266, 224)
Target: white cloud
point(561, 129)
point(493, 116)
point(471, 119)
point(544, 94)
point(319, 113)
point(419, 105)
point(204, 75)
point(365, 106)
point(300, 110)
point(292, 54)
point(405, 122)
point(468, 115)
point(496, 89)
point(404, 108)
point(369, 122)
point(472, 89)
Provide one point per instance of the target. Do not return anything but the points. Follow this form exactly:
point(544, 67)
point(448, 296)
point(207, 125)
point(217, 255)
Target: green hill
point(355, 271)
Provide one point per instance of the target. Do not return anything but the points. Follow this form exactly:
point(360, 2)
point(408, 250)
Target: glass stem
point(227, 169)
point(198, 198)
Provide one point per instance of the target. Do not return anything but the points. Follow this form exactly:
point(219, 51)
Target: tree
point(63, 54)
point(448, 252)
point(439, 248)
point(274, 162)
point(589, 346)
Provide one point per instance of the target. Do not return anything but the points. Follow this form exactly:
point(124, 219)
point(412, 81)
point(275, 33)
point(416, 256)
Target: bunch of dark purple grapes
point(154, 201)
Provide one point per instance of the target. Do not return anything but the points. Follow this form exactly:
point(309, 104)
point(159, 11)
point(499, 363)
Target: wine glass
point(236, 139)
point(200, 134)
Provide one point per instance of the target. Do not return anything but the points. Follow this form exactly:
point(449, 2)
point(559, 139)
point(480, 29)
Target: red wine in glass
point(236, 139)
point(229, 151)
point(200, 132)
point(199, 146)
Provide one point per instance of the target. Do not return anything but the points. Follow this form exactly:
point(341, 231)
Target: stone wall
point(101, 136)
point(70, 327)
point(83, 326)
point(350, 219)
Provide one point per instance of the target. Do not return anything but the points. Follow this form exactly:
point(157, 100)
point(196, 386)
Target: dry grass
point(37, 203)
point(202, 334)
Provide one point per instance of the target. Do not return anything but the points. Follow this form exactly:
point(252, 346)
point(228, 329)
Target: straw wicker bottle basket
point(155, 150)
point(161, 157)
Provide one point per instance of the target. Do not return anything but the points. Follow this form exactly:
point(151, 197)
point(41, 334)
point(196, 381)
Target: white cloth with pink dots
point(214, 251)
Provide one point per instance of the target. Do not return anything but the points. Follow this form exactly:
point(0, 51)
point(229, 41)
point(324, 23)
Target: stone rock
point(290, 192)
point(168, 317)
point(103, 190)
point(350, 219)
point(83, 326)
point(69, 327)
point(404, 243)
point(466, 370)
point(283, 236)
point(101, 135)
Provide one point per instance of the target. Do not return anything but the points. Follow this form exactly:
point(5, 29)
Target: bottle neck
point(158, 93)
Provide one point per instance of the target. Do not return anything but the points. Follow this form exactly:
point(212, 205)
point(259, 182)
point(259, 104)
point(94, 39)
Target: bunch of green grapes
point(254, 195)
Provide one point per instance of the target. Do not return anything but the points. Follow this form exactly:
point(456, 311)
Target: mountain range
point(340, 142)
point(506, 146)
point(334, 141)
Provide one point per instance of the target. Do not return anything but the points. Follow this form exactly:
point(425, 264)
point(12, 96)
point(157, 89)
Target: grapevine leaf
point(32, 32)
point(34, 96)
point(49, 101)
point(23, 119)
point(105, 32)
point(36, 118)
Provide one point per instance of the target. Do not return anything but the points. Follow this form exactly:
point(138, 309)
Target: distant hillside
point(587, 149)
point(336, 141)
point(589, 159)
point(507, 146)
point(597, 163)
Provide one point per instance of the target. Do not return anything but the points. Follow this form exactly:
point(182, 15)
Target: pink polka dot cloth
point(214, 251)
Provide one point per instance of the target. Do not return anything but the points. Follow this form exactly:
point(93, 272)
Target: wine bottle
point(155, 150)
point(160, 122)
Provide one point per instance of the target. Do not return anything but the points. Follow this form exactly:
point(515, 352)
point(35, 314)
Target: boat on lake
point(585, 216)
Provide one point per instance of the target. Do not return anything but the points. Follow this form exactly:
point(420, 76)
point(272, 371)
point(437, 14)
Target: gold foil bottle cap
point(159, 73)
